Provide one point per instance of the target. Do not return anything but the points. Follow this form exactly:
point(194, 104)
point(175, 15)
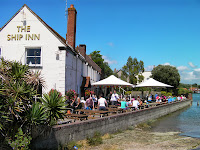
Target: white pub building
point(28, 39)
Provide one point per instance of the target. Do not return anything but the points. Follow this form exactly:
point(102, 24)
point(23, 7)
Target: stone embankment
point(62, 134)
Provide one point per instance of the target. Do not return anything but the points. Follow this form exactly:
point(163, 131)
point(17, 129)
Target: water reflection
point(186, 121)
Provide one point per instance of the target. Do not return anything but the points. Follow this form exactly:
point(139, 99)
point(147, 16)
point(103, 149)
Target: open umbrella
point(112, 81)
point(153, 83)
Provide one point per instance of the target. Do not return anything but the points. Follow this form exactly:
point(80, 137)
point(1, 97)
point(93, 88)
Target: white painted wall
point(52, 69)
point(63, 74)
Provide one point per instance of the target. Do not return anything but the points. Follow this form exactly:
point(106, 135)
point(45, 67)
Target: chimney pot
point(71, 6)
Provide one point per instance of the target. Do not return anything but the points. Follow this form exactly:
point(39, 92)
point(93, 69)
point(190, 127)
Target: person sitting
point(123, 104)
point(89, 103)
point(150, 98)
point(79, 104)
point(136, 104)
point(74, 103)
point(83, 102)
point(140, 104)
point(102, 103)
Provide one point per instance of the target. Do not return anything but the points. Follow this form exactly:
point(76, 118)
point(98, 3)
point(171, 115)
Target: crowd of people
point(93, 102)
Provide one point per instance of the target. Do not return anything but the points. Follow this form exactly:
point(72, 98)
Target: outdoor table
point(132, 108)
point(116, 110)
point(77, 117)
point(93, 112)
point(113, 106)
point(152, 104)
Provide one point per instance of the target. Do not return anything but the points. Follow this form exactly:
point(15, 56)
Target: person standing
point(114, 98)
point(94, 98)
point(109, 98)
point(102, 103)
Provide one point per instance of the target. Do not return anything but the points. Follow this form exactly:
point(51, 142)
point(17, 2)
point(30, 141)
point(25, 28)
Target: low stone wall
point(62, 134)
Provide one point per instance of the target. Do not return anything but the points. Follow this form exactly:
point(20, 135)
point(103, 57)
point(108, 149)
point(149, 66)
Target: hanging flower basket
point(70, 93)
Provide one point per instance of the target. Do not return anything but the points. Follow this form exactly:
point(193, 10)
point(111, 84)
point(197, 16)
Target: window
point(33, 56)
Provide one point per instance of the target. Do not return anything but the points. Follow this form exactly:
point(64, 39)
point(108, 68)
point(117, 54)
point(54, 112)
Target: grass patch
point(107, 136)
point(95, 140)
point(117, 132)
point(131, 128)
point(71, 145)
point(146, 125)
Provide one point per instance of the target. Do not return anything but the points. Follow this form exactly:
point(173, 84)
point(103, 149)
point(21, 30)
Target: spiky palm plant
point(16, 96)
point(54, 104)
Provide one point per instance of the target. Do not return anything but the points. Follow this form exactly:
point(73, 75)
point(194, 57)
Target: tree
point(132, 69)
point(166, 74)
point(105, 68)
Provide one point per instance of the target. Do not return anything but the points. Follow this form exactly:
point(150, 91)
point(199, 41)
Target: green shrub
point(168, 94)
point(95, 140)
point(163, 93)
point(182, 91)
point(127, 92)
point(21, 141)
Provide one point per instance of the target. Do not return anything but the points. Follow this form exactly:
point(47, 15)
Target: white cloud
point(182, 68)
point(149, 68)
point(167, 64)
point(111, 44)
point(190, 77)
point(187, 75)
point(192, 65)
point(198, 69)
point(108, 60)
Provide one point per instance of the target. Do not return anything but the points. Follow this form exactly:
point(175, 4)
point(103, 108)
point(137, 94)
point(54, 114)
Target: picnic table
point(77, 117)
point(93, 112)
point(116, 110)
point(113, 106)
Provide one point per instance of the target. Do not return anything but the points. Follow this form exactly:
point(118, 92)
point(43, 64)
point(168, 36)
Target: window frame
point(33, 65)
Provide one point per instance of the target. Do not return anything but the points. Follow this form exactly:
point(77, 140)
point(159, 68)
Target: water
point(186, 121)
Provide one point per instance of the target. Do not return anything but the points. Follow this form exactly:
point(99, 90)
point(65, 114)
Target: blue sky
point(154, 31)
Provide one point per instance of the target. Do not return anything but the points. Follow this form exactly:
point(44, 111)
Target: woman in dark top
point(79, 104)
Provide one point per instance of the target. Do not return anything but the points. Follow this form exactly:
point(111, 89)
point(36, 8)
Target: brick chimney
point(82, 50)
point(71, 27)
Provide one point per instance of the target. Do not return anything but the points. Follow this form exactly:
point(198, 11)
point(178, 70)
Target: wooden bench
point(77, 117)
point(112, 106)
point(116, 110)
point(93, 112)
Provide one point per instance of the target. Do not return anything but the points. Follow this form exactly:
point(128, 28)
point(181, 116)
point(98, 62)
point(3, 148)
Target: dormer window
point(33, 56)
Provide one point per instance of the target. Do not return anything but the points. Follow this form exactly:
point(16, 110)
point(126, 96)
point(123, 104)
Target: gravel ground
point(144, 139)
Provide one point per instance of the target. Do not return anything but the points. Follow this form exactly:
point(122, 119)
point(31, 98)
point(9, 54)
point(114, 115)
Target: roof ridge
point(13, 16)
point(42, 21)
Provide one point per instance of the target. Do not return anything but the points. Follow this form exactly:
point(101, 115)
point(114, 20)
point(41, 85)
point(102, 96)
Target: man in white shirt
point(136, 104)
point(114, 98)
point(102, 103)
